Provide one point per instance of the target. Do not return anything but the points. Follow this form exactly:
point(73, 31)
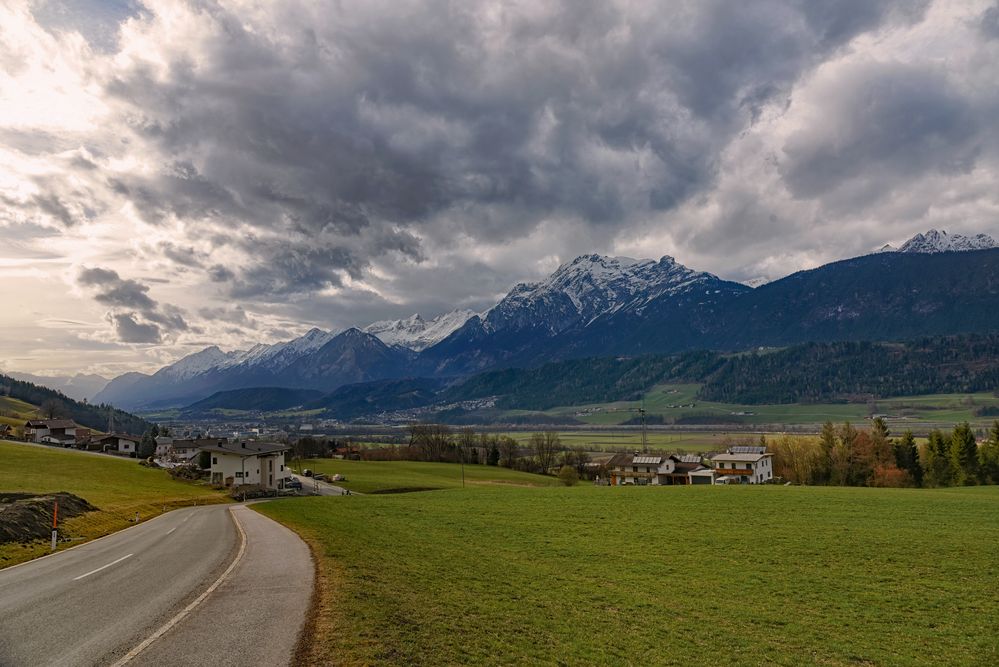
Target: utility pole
point(645, 438)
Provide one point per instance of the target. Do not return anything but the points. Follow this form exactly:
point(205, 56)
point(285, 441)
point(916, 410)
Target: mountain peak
point(940, 241)
point(417, 333)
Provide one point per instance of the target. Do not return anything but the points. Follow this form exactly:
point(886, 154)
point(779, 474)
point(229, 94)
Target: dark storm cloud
point(338, 136)
point(883, 124)
point(134, 315)
point(990, 22)
point(128, 330)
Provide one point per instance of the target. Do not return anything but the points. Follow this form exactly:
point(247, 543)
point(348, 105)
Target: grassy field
point(680, 400)
point(596, 441)
point(368, 476)
point(597, 575)
point(14, 412)
point(118, 487)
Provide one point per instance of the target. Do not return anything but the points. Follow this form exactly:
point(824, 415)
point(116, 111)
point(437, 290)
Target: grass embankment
point(14, 412)
point(118, 487)
point(585, 575)
point(383, 476)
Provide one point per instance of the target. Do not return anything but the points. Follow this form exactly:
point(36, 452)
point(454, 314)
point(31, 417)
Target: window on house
point(239, 474)
point(215, 460)
point(634, 468)
point(282, 468)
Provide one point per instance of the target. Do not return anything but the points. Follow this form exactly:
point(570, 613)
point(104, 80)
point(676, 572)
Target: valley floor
point(598, 575)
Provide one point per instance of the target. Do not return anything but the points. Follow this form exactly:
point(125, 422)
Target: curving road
point(101, 603)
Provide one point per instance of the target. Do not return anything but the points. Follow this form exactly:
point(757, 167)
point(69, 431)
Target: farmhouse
point(656, 470)
point(743, 465)
point(122, 443)
point(241, 463)
point(53, 431)
point(6, 431)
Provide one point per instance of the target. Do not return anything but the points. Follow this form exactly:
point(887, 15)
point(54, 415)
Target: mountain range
point(935, 284)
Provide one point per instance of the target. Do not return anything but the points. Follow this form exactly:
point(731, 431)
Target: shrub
point(568, 476)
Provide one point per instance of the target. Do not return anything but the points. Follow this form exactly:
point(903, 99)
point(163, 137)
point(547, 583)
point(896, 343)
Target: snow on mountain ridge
point(416, 333)
point(940, 241)
point(590, 286)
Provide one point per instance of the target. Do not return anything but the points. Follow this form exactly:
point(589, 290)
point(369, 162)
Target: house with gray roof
point(247, 462)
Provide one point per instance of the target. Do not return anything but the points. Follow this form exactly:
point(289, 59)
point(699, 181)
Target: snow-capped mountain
point(572, 301)
point(588, 287)
point(597, 306)
point(416, 333)
point(207, 359)
point(279, 356)
point(759, 281)
point(940, 241)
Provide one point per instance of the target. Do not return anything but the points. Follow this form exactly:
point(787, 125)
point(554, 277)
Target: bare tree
point(546, 447)
point(508, 449)
point(432, 441)
point(52, 408)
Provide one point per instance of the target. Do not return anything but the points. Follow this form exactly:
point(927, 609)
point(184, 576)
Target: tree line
point(846, 456)
point(56, 405)
point(543, 453)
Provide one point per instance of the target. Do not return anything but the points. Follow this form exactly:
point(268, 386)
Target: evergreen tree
point(881, 442)
point(988, 456)
point(907, 458)
point(938, 469)
point(964, 455)
point(827, 443)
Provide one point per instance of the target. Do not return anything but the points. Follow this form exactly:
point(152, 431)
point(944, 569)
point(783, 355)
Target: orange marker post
point(55, 524)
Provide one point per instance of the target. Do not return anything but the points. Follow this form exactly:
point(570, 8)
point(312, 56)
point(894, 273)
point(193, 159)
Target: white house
point(743, 465)
point(123, 443)
point(248, 462)
point(55, 431)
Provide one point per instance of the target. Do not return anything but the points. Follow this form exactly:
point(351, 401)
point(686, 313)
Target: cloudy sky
point(176, 174)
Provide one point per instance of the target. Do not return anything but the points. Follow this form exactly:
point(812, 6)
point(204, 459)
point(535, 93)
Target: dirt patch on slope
point(25, 516)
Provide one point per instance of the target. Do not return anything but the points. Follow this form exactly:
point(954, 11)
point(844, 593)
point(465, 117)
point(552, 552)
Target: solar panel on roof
point(646, 460)
point(747, 449)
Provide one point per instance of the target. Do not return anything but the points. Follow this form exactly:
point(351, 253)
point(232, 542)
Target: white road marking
point(171, 530)
point(189, 608)
point(102, 567)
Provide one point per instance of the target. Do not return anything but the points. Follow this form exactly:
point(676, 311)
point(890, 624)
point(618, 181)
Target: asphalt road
point(94, 605)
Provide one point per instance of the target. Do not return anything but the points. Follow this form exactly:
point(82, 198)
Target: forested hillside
point(813, 372)
point(56, 404)
point(828, 371)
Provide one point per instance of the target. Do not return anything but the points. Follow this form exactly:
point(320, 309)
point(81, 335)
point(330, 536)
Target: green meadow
point(118, 487)
point(383, 476)
point(587, 575)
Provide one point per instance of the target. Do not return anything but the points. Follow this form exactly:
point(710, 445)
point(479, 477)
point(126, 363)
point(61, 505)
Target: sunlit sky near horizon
point(179, 174)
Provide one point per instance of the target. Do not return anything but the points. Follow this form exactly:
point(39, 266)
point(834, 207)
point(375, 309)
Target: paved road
point(312, 485)
point(94, 604)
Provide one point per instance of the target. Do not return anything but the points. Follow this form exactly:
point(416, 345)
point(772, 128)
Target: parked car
point(307, 473)
point(320, 476)
point(339, 478)
point(292, 483)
